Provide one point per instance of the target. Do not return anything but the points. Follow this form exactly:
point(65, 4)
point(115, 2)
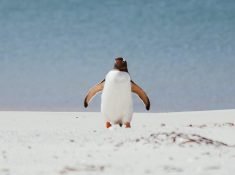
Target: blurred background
point(182, 53)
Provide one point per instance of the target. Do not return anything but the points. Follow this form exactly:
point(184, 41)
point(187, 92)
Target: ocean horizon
point(180, 52)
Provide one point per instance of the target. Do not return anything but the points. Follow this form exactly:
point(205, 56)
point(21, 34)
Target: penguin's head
point(120, 64)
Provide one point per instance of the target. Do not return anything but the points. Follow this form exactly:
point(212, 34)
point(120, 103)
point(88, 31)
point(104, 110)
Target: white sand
point(33, 143)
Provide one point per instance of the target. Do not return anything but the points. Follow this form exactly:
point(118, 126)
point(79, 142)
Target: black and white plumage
point(116, 98)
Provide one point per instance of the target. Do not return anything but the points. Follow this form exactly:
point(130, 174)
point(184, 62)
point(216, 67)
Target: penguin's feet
point(128, 125)
point(108, 125)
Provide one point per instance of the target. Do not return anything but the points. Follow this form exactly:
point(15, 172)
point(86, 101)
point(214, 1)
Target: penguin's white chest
point(116, 98)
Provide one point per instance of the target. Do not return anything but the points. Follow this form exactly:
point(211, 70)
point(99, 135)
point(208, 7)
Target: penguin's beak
point(118, 62)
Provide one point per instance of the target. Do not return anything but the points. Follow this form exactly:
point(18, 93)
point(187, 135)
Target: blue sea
point(182, 53)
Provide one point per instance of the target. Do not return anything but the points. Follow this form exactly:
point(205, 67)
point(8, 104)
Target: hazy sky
point(180, 52)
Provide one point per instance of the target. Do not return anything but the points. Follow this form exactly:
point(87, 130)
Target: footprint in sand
point(215, 167)
point(172, 169)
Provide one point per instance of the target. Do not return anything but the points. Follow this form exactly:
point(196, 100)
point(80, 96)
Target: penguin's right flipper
point(92, 92)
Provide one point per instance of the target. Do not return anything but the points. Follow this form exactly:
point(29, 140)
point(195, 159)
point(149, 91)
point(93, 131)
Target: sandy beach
point(52, 143)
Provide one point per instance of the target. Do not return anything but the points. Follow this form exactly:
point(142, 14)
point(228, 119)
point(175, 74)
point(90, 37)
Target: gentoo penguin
point(116, 98)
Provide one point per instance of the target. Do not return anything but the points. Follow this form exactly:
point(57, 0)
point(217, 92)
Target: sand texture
point(51, 143)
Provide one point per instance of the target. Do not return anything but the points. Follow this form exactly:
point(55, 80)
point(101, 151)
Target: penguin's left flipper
point(140, 92)
point(92, 92)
